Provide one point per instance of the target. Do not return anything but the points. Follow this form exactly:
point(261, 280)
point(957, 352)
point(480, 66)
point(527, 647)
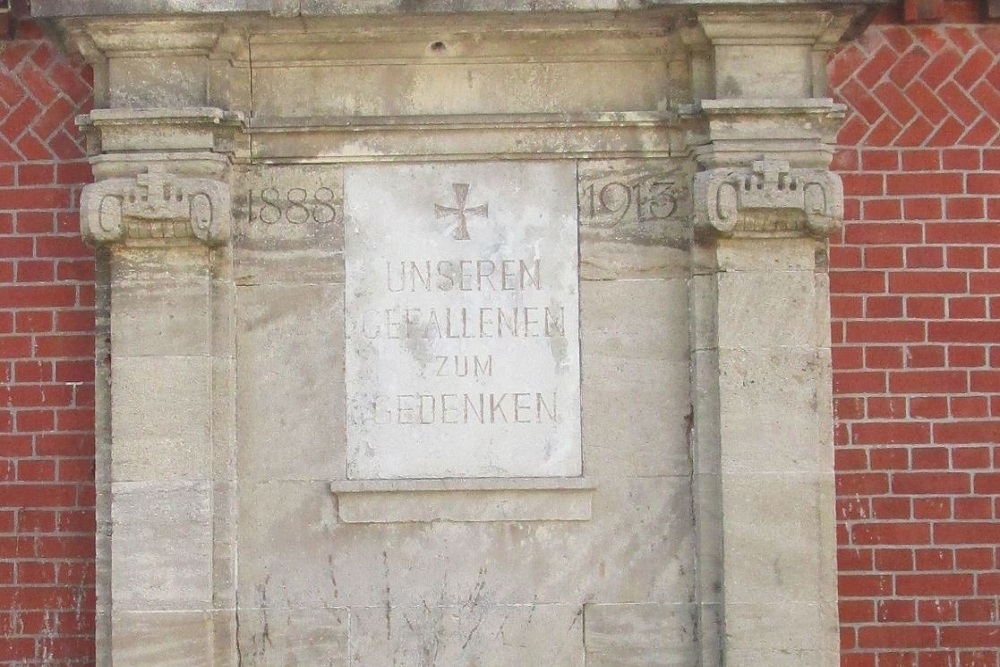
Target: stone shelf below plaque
point(473, 499)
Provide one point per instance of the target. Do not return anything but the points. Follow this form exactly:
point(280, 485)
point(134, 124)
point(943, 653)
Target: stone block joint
point(768, 198)
point(155, 208)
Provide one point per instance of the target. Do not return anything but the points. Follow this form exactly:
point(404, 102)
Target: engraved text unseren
point(465, 275)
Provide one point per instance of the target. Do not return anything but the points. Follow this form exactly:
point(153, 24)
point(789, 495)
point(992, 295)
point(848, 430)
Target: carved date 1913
point(296, 206)
point(636, 201)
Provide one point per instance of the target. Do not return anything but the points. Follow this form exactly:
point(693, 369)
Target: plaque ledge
point(460, 484)
point(463, 499)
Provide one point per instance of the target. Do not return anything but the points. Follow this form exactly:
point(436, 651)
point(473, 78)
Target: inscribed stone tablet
point(462, 307)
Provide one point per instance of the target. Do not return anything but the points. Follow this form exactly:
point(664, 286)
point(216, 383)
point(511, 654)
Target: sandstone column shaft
point(166, 469)
point(761, 389)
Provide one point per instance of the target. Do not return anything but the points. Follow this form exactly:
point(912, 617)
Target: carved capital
point(769, 198)
point(155, 208)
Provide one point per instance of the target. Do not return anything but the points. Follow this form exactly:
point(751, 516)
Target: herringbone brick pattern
point(912, 87)
point(46, 362)
point(916, 330)
point(39, 100)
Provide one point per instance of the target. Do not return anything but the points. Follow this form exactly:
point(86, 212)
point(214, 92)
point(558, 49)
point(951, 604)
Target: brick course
point(916, 331)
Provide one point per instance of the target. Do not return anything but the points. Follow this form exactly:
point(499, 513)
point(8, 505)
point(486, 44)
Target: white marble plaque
point(462, 310)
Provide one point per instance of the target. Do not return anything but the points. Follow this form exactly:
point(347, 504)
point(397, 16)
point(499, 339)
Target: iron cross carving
point(461, 232)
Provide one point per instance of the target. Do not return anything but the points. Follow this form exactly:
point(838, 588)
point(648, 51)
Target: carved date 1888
point(297, 206)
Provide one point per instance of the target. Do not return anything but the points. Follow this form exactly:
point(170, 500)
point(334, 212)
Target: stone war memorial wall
point(463, 333)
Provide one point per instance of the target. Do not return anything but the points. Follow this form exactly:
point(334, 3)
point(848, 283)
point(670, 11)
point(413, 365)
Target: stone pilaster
point(162, 211)
point(764, 203)
point(763, 437)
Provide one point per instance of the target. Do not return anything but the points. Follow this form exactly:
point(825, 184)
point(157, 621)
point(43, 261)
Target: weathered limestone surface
point(295, 199)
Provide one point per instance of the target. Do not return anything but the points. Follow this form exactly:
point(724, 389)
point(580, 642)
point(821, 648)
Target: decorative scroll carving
point(154, 207)
point(769, 198)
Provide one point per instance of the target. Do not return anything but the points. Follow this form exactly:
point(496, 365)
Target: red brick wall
point(46, 361)
point(915, 281)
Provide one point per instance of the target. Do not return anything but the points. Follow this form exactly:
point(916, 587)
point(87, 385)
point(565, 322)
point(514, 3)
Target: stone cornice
point(99, 28)
point(58, 8)
point(98, 36)
point(129, 130)
point(307, 8)
point(756, 23)
point(737, 131)
point(478, 136)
